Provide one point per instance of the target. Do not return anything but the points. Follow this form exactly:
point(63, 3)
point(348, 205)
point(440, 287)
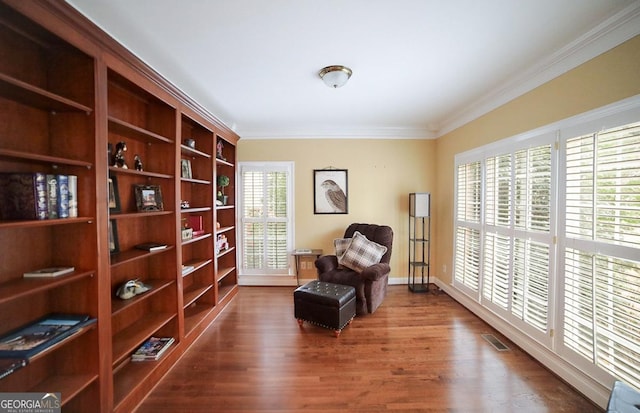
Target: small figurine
point(190, 143)
point(132, 288)
point(137, 163)
point(184, 204)
point(121, 148)
point(219, 148)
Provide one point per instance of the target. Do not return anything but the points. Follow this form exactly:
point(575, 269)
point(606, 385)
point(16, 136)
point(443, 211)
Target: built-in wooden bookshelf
point(196, 191)
point(226, 271)
point(68, 95)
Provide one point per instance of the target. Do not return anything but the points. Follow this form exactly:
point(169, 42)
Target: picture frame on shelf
point(330, 195)
point(148, 198)
point(185, 169)
point(114, 245)
point(114, 196)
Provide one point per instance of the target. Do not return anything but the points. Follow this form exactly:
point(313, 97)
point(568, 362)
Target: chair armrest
point(376, 271)
point(326, 263)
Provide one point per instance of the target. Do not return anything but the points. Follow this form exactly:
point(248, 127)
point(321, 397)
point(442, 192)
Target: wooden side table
point(299, 254)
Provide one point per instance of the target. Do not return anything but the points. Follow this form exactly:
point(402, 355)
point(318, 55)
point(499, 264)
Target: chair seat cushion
point(361, 253)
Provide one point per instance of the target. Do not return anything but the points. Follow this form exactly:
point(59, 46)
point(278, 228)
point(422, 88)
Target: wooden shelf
point(196, 264)
point(194, 316)
point(196, 239)
point(69, 386)
point(227, 251)
point(222, 162)
point(129, 339)
point(127, 129)
point(118, 304)
point(39, 98)
point(225, 292)
point(196, 181)
point(195, 292)
point(146, 174)
point(21, 288)
point(185, 150)
point(125, 257)
point(223, 272)
point(135, 215)
point(46, 222)
point(45, 159)
point(197, 209)
point(224, 229)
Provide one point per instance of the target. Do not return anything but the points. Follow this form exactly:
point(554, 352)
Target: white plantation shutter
point(468, 192)
point(265, 220)
point(530, 297)
point(533, 188)
point(497, 269)
point(601, 319)
point(516, 264)
point(467, 242)
point(467, 263)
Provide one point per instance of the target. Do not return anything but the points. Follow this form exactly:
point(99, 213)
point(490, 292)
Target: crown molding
point(618, 28)
point(339, 133)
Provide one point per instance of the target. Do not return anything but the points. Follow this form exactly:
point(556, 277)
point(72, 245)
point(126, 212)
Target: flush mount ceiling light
point(335, 76)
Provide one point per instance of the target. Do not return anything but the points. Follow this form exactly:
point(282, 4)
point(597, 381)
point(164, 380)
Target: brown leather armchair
point(371, 283)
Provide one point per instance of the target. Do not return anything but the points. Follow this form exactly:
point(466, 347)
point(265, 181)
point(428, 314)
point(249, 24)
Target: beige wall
point(610, 77)
point(381, 175)
point(383, 172)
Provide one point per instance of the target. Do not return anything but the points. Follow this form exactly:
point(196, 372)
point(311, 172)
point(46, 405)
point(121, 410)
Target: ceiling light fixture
point(335, 76)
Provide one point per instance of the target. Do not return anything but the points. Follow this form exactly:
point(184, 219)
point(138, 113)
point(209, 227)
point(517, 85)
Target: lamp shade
point(419, 204)
point(335, 76)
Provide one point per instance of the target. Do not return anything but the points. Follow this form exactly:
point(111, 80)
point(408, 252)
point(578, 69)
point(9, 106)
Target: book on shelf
point(52, 196)
point(151, 246)
point(23, 196)
point(63, 196)
point(186, 268)
point(37, 336)
point(48, 272)
point(36, 195)
point(73, 196)
point(152, 349)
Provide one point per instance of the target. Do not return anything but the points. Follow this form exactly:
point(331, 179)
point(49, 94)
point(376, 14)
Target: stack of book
point(38, 196)
point(152, 349)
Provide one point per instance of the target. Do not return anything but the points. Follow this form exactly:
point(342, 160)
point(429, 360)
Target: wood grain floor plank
point(417, 353)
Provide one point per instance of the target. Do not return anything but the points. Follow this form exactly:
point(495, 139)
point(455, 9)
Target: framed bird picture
point(330, 194)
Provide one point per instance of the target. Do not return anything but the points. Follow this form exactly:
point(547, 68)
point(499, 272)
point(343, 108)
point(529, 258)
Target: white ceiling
point(420, 67)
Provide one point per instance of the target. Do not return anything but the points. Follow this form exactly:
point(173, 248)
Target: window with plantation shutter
point(601, 320)
point(265, 219)
point(547, 240)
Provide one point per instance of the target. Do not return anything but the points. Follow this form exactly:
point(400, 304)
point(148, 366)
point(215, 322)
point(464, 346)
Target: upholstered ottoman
point(325, 304)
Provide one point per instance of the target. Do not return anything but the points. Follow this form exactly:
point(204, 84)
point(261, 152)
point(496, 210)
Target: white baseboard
point(590, 388)
point(285, 281)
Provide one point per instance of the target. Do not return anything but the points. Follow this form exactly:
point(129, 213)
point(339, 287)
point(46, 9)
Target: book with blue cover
point(63, 196)
point(152, 349)
point(33, 338)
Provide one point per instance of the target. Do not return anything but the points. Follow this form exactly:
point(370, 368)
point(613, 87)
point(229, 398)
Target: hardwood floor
point(417, 353)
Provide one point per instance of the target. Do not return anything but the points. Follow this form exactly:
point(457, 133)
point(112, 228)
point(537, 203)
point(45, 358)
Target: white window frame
point(267, 277)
